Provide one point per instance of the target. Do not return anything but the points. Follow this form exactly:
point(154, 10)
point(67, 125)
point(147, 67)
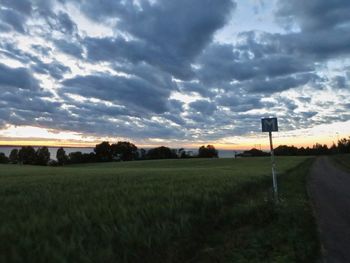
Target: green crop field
point(198, 210)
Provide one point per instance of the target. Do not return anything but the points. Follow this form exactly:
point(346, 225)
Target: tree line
point(127, 151)
point(342, 146)
point(103, 152)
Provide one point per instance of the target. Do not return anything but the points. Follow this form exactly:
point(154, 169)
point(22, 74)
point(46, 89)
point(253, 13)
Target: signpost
point(269, 125)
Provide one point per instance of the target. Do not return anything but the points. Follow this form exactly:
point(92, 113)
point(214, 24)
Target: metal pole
point(274, 179)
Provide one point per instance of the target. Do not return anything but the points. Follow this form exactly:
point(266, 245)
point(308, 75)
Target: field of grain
point(198, 210)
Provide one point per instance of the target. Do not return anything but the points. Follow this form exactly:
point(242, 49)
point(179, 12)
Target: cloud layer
point(156, 70)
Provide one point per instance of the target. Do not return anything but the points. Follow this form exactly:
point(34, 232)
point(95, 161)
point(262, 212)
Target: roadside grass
point(255, 229)
point(342, 161)
point(156, 211)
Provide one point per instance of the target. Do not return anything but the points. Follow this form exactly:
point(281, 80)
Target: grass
point(342, 161)
point(156, 211)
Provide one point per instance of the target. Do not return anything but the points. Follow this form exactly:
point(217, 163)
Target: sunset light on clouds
point(176, 73)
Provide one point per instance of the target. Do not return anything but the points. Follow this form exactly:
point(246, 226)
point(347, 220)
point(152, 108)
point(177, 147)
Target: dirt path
point(330, 191)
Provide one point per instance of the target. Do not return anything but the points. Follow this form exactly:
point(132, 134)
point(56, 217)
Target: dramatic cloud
point(19, 78)
point(133, 92)
point(167, 34)
point(173, 71)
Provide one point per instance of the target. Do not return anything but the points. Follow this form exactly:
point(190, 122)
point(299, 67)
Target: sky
point(177, 73)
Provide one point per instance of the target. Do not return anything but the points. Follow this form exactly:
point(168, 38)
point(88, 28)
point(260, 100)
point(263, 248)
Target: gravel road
point(329, 188)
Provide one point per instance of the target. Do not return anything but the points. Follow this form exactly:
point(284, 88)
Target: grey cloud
point(287, 104)
point(96, 110)
point(60, 22)
point(316, 45)
point(305, 99)
point(176, 105)
point(17, 77)
point(340, 82)
point(112, 49)
point(66, 23)
point(71, 48)
point(166, 34)
point(303, 47)
point(203, 106)
point(222, 63)
point(262, 85)
point(134, 92)
point(29, 102)
point(199, 88)
point(12, 20)
point(54, 69)
point(17, 12)
point(22, 6)
point(11, 51)
point(308, 115)
point(175, 118)
point(157, 42)
point(240, 103)
point(23, 99)
point(314, 14)
point(45, 51)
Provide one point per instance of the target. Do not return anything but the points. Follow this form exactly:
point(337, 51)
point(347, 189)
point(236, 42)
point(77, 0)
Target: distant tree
point(333, 149)
point(181, 153)
point(88, 157)
point(14, 156)
point(3, 158)
point(42, 155)
point(302, 151)
point(286, 150)
point(344, 145)
point(142, 154)
point(27, 155)
point(208, 151)
point(161, 153)
point(319, 149)
point(61, 156)
point(253, 153)
point(103, 152)
point(75, 157)
point(125, 151)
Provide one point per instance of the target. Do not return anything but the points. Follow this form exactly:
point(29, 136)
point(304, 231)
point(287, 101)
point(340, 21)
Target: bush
point(208, 151)
point(3, 158)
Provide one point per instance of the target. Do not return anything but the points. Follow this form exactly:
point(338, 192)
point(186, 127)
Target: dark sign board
point(269, 124)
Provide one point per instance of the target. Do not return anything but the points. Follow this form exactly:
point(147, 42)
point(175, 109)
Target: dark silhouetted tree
point(142, 154)
point(182, 153)
point(124, 151)
point(61, 156)
point(79, 157)
point(286, 150)
point(161, 153)
point(14, 156)
point(42, 155)
point(3, 158)
point(333, 149)
point(27, 155)
point(344, 145)
point(75, 157)
point(253, 153)
point(319, 149)
point(88, 157)
point(103, 152)
point(208, 151)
